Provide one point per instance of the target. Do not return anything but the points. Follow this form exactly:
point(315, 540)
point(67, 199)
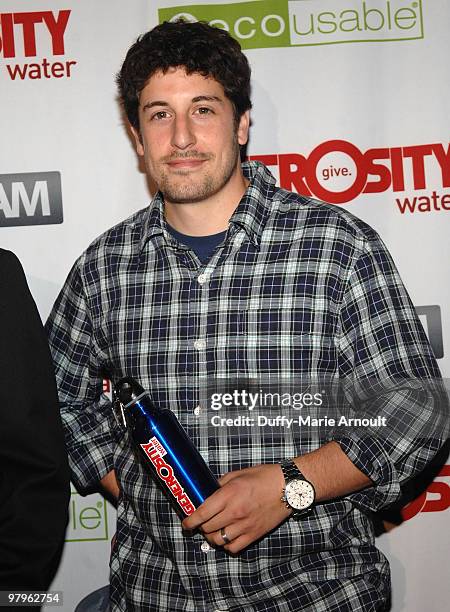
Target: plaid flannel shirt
point(297, 287)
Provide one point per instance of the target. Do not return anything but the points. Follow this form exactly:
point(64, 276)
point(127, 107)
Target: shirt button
point(205, 547)
point(199, 344)
point(197, 410)
point(202, 278)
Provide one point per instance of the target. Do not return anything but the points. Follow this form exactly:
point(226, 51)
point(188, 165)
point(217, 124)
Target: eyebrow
point(207, 98)
point(154, 103)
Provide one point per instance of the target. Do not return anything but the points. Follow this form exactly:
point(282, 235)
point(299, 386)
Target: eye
point(204, 110)
point(160, 115)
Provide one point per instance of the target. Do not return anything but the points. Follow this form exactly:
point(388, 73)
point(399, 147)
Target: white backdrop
point(350, 104)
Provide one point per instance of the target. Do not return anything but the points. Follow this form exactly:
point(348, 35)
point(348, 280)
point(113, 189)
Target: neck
point(210, 216)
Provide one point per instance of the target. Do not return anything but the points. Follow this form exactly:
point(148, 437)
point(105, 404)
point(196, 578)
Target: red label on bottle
point(155, 451)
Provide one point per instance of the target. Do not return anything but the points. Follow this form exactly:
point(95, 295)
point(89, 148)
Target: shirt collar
point(251, 213)
point(153, 222)
point(256, 203)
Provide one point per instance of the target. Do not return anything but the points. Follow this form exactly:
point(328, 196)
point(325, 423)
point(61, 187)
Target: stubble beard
point(192, 189)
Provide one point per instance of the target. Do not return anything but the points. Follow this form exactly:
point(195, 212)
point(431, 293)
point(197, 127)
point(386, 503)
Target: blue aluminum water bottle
point(165, 447)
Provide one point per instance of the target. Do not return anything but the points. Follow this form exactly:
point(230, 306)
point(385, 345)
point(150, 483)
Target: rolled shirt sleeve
point(80, 369)
point(387, 366)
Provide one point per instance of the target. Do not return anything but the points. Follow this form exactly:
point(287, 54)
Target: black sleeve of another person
point(34, 477)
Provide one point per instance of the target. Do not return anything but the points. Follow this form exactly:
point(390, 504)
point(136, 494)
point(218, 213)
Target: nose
point(182, 135)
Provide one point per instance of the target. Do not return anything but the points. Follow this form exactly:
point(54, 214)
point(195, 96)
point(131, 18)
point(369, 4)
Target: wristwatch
point(299, 493)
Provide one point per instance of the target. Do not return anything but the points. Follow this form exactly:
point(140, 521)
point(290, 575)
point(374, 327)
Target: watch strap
point(290, 470)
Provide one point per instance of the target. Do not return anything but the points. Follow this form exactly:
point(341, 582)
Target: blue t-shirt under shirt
point(203, 246)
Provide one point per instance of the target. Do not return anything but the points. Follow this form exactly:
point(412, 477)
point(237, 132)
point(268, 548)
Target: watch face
point(299, 494)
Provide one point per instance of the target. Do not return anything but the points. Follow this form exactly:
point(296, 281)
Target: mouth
point(186, 163)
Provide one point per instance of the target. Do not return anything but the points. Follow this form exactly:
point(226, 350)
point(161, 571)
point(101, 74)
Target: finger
point(210, 507)
point(226, 535)
point(238, 544)
point(222, 519)
point(235, 509)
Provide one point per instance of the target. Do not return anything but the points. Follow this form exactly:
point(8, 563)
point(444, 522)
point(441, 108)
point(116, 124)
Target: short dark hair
point(197, 47)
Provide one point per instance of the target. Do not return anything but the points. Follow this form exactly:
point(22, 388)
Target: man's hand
point(110, 484)
point(246, 507)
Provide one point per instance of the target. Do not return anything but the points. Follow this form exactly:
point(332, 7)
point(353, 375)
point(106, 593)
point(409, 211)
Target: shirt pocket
point(286, 343)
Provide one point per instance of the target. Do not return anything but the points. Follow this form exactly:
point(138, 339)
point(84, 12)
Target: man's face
point(188, 136)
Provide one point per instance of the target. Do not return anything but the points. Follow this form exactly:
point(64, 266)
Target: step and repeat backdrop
point(350, 106)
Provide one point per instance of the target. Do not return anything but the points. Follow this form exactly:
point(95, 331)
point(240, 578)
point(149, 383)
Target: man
point(34, 475)
point(225, 276)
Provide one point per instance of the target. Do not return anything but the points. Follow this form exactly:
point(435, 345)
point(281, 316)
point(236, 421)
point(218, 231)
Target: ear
point(243, 127)
point(137, 141)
